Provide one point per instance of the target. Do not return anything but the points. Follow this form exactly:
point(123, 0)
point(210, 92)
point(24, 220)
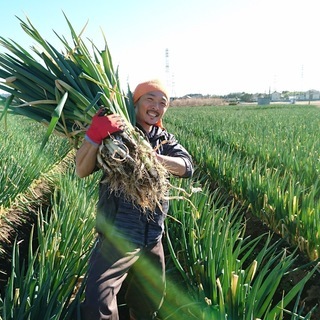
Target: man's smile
point(152, 113)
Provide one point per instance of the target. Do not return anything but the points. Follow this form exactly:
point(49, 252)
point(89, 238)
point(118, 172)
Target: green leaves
point(20, 161)
point(54, 119)
point(236, 277)
point(49, 283)
point(39, 79)
point(267, 157)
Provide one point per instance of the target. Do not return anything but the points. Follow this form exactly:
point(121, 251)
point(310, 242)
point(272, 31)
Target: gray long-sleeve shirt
point(128, 221)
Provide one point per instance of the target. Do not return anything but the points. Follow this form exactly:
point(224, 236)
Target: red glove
point(103, 126)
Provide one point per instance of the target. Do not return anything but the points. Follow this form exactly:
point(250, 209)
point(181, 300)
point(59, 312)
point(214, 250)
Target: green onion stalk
point(64, 90)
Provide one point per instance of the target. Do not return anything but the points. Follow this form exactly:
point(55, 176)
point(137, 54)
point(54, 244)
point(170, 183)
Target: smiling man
point(130, 248)
point(151, 101)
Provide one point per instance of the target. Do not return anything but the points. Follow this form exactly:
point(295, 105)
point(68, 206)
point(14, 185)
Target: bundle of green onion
point(64, 91)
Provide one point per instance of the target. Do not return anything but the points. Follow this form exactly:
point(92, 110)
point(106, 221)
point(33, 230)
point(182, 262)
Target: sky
point(210, 47)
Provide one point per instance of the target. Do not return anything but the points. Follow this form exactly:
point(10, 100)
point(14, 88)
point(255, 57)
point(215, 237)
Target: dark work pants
point(112, 262)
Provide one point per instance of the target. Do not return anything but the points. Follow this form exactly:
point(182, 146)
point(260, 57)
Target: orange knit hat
point(148, 86)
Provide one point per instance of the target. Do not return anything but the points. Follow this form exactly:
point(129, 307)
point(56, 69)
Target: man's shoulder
point(161, 132)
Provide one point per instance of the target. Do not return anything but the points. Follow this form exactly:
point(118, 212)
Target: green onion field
point(259, 159)
point(268, 157)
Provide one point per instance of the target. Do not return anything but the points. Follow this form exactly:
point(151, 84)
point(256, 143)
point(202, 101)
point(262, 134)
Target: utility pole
point(167, 68)
point(170, 79)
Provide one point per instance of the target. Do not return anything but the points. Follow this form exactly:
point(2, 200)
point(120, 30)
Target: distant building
point(276, 96)
point(308, 95)
point(312, 95)
point(264, 99)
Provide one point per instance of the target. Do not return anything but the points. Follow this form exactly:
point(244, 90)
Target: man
point(129, 243)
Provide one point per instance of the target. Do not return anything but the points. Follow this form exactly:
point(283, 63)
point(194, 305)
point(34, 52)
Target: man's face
point(150, 108)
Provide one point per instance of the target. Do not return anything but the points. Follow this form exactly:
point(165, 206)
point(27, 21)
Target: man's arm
point(101, 127)
point(86, 158)
point(174, 165)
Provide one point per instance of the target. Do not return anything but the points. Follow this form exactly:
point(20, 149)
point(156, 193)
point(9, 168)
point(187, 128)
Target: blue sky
point(214, 46)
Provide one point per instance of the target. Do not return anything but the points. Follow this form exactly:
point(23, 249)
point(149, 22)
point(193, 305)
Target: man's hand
point(103, 126)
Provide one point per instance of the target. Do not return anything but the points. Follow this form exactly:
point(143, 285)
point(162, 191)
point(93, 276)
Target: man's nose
point(154, 105)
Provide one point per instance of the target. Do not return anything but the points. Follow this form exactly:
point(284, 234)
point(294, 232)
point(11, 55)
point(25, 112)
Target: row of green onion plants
point(20, 160)
point(49, 281)
point(268, 157)
point(207, 246)
point(225, 273)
